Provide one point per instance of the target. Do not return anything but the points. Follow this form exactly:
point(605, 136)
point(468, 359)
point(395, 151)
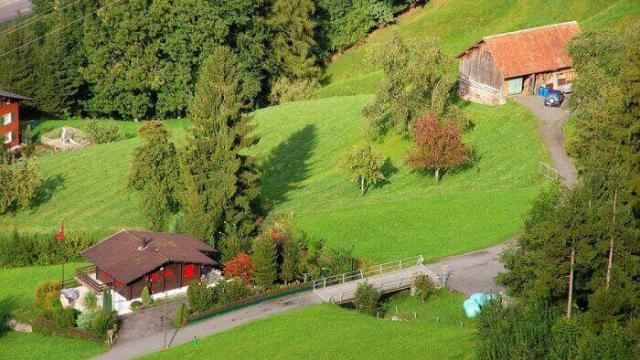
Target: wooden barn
point(517, 62)
point(132, 260)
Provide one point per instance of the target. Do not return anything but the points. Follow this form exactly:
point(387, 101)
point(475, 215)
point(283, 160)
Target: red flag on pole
point(60, 234)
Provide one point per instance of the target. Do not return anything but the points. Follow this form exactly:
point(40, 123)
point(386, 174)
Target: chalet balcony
point(86, 276)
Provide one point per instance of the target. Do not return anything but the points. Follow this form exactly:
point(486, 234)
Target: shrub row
point(22, 249)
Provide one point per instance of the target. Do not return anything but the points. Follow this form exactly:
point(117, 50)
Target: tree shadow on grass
point(388, 170)
point(287, 165)
point(47, 188)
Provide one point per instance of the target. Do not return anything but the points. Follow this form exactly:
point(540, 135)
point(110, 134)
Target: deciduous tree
point(364, 166)
point(418, 79)
point(438, 146)
point(240, 266)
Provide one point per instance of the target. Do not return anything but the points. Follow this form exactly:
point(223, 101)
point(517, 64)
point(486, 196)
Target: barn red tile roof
point(129, 255)
point(532, 50)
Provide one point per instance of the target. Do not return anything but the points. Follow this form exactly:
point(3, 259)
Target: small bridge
point(386, 278)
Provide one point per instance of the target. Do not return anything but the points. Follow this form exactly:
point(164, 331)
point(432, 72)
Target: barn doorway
point(515, 85)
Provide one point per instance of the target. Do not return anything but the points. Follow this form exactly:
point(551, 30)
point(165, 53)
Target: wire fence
point(548, 171)
point(396, 313)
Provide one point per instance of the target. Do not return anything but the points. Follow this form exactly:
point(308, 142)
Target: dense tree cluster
point(139, 59)
point(579, 254)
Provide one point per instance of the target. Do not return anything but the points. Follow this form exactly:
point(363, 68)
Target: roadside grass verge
point(326, 332)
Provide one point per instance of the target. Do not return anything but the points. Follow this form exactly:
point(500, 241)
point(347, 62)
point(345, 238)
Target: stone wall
point(479, 93)
point(17, 325)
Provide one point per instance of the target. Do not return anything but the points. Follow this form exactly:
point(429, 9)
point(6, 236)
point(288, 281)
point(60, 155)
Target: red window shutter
point(105, 274)
point(154, 277)
point(117, 282)
point(189, 271)
point(168, 273)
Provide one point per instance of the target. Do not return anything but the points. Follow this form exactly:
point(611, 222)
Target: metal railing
point(548, 171)
point(83, 277)
point(368, 272)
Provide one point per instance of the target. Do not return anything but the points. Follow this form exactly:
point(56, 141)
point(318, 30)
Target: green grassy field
point(329, 332)
point(18, 285)
point(460, 23)
point(301, 146)
point(18, 346)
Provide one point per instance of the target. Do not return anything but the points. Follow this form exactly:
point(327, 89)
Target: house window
point(168, 273)
point(153, 277)
point(189, 271)
point(562, 81)
point(7, 119)
point(9, 137)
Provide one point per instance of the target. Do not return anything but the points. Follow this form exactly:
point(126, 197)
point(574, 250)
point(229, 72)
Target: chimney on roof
point(144, 243)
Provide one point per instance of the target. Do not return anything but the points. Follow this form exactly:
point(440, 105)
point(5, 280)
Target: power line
point(56, 30)
point(37, 18)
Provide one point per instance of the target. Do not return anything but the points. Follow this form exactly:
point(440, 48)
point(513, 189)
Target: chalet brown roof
point(530, 51)
point(11, 95)
point(129, 255)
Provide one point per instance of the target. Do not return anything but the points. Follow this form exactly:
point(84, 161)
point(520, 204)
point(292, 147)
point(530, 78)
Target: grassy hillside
point(460, 23)
point(410, 214)
point(301, 146)
point(328, 332)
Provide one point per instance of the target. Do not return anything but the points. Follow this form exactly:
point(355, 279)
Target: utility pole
point(613, 225)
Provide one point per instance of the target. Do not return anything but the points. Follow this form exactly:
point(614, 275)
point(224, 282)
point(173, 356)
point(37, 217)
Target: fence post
point(361, 274)
point(380, 268)
point(343, 278)
point(400, 264)
point(325, 283)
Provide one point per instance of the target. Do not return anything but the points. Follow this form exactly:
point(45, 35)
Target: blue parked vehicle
point(554, 98)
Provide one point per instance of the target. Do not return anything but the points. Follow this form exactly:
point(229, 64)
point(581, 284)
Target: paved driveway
point(552, 119)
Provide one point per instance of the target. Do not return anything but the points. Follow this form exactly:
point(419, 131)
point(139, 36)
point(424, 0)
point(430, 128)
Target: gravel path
point(552, 119)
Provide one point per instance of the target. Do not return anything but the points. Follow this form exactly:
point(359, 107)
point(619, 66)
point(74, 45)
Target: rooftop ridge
point(531, 29)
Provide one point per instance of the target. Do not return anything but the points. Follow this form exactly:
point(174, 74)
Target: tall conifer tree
point(293, 41)
point(220, 181)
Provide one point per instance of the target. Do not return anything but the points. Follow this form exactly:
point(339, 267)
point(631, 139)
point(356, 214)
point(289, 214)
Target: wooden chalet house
point(517, 62)
point(10, 118)
point(129, 261)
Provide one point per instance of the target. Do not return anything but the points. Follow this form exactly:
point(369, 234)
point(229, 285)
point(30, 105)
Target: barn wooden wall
point(478, 66)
